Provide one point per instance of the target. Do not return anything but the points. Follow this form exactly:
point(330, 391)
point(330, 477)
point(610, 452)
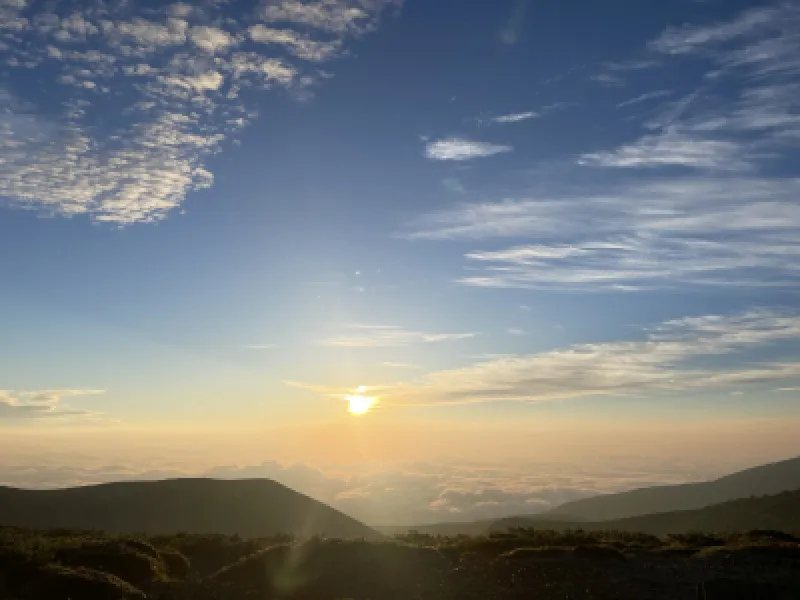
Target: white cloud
point(462, 149)
point(42, 404)
point(644, 97)
point(336, 17)
point(178, 79)
point(516, 117)
point(210, 39)
point(691, 38)
point(671, 148)
point(399, 365)
point(710, 203)
point(299, 45)
point(665, 361)
point(658, 233)
point(746, 108)
point(384, 336)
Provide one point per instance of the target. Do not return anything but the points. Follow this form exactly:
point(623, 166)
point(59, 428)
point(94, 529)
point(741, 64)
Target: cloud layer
point(414, 493)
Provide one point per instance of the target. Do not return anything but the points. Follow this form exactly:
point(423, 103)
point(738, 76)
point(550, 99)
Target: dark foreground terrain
point(55, 565)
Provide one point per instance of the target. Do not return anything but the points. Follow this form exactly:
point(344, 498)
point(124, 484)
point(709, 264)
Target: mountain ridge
point(247, 507)
point(778, 512)
point(767, 479)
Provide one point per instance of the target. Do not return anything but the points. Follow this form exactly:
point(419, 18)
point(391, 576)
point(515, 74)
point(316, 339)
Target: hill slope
point(251, 508)
point(780, 512)
point(772, 478)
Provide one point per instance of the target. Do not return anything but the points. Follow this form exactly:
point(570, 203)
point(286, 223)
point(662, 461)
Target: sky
point(425, 260)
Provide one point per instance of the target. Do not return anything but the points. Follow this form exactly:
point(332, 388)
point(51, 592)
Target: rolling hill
point(780, 512)
point(767, 479)
point(250, 508)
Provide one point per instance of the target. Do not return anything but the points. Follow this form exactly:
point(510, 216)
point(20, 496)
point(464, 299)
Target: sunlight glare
point(360, 405)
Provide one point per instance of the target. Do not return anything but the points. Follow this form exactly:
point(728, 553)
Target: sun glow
point(360, 405)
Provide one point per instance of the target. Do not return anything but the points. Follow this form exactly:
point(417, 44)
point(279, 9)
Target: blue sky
point(238, 214)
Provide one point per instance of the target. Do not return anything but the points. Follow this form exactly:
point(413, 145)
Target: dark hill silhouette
point(767, 479)
point(780, 512)
point(250, 508)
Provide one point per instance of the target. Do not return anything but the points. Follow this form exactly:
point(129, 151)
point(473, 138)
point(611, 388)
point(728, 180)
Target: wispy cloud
point(755, 55)
point(607, 79)
point(515, 117)
point(386, 336)
point(710, 203)
point(462, 149)
point(744, 232)
point(672, 148)
point(645, 97)
point(261, 346)
point(632, 65)
point(42, 404)
point(399, 365)
point(181, 71)
point(665, 361)
point(694, 38)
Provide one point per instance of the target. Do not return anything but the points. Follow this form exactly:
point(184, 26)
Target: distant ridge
point(779, 512)
point(771, 478)
point(250, 508)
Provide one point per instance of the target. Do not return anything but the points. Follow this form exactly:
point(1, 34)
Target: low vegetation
point(523, 563)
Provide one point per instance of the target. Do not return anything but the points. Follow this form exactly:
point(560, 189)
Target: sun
point(360, 405)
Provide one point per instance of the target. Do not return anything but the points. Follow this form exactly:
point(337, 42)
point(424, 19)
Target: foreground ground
point(56, 565)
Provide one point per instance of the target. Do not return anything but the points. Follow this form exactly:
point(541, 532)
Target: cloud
point(180, 82)
point(211, 39)
point(671, 149)
point(385, 336)
point(608, 79)
point(510, 33)
point(43, 404)
point(653, 234)
point(462, 149)
point(665, 361)
point(632, 65)
point(710, 202)
point(693, 38)
point(515, 117)
point(399, 365)
point(744, 111)
point(335, 17)
point(516, 332)
point(645, 97)
point(300, 45)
